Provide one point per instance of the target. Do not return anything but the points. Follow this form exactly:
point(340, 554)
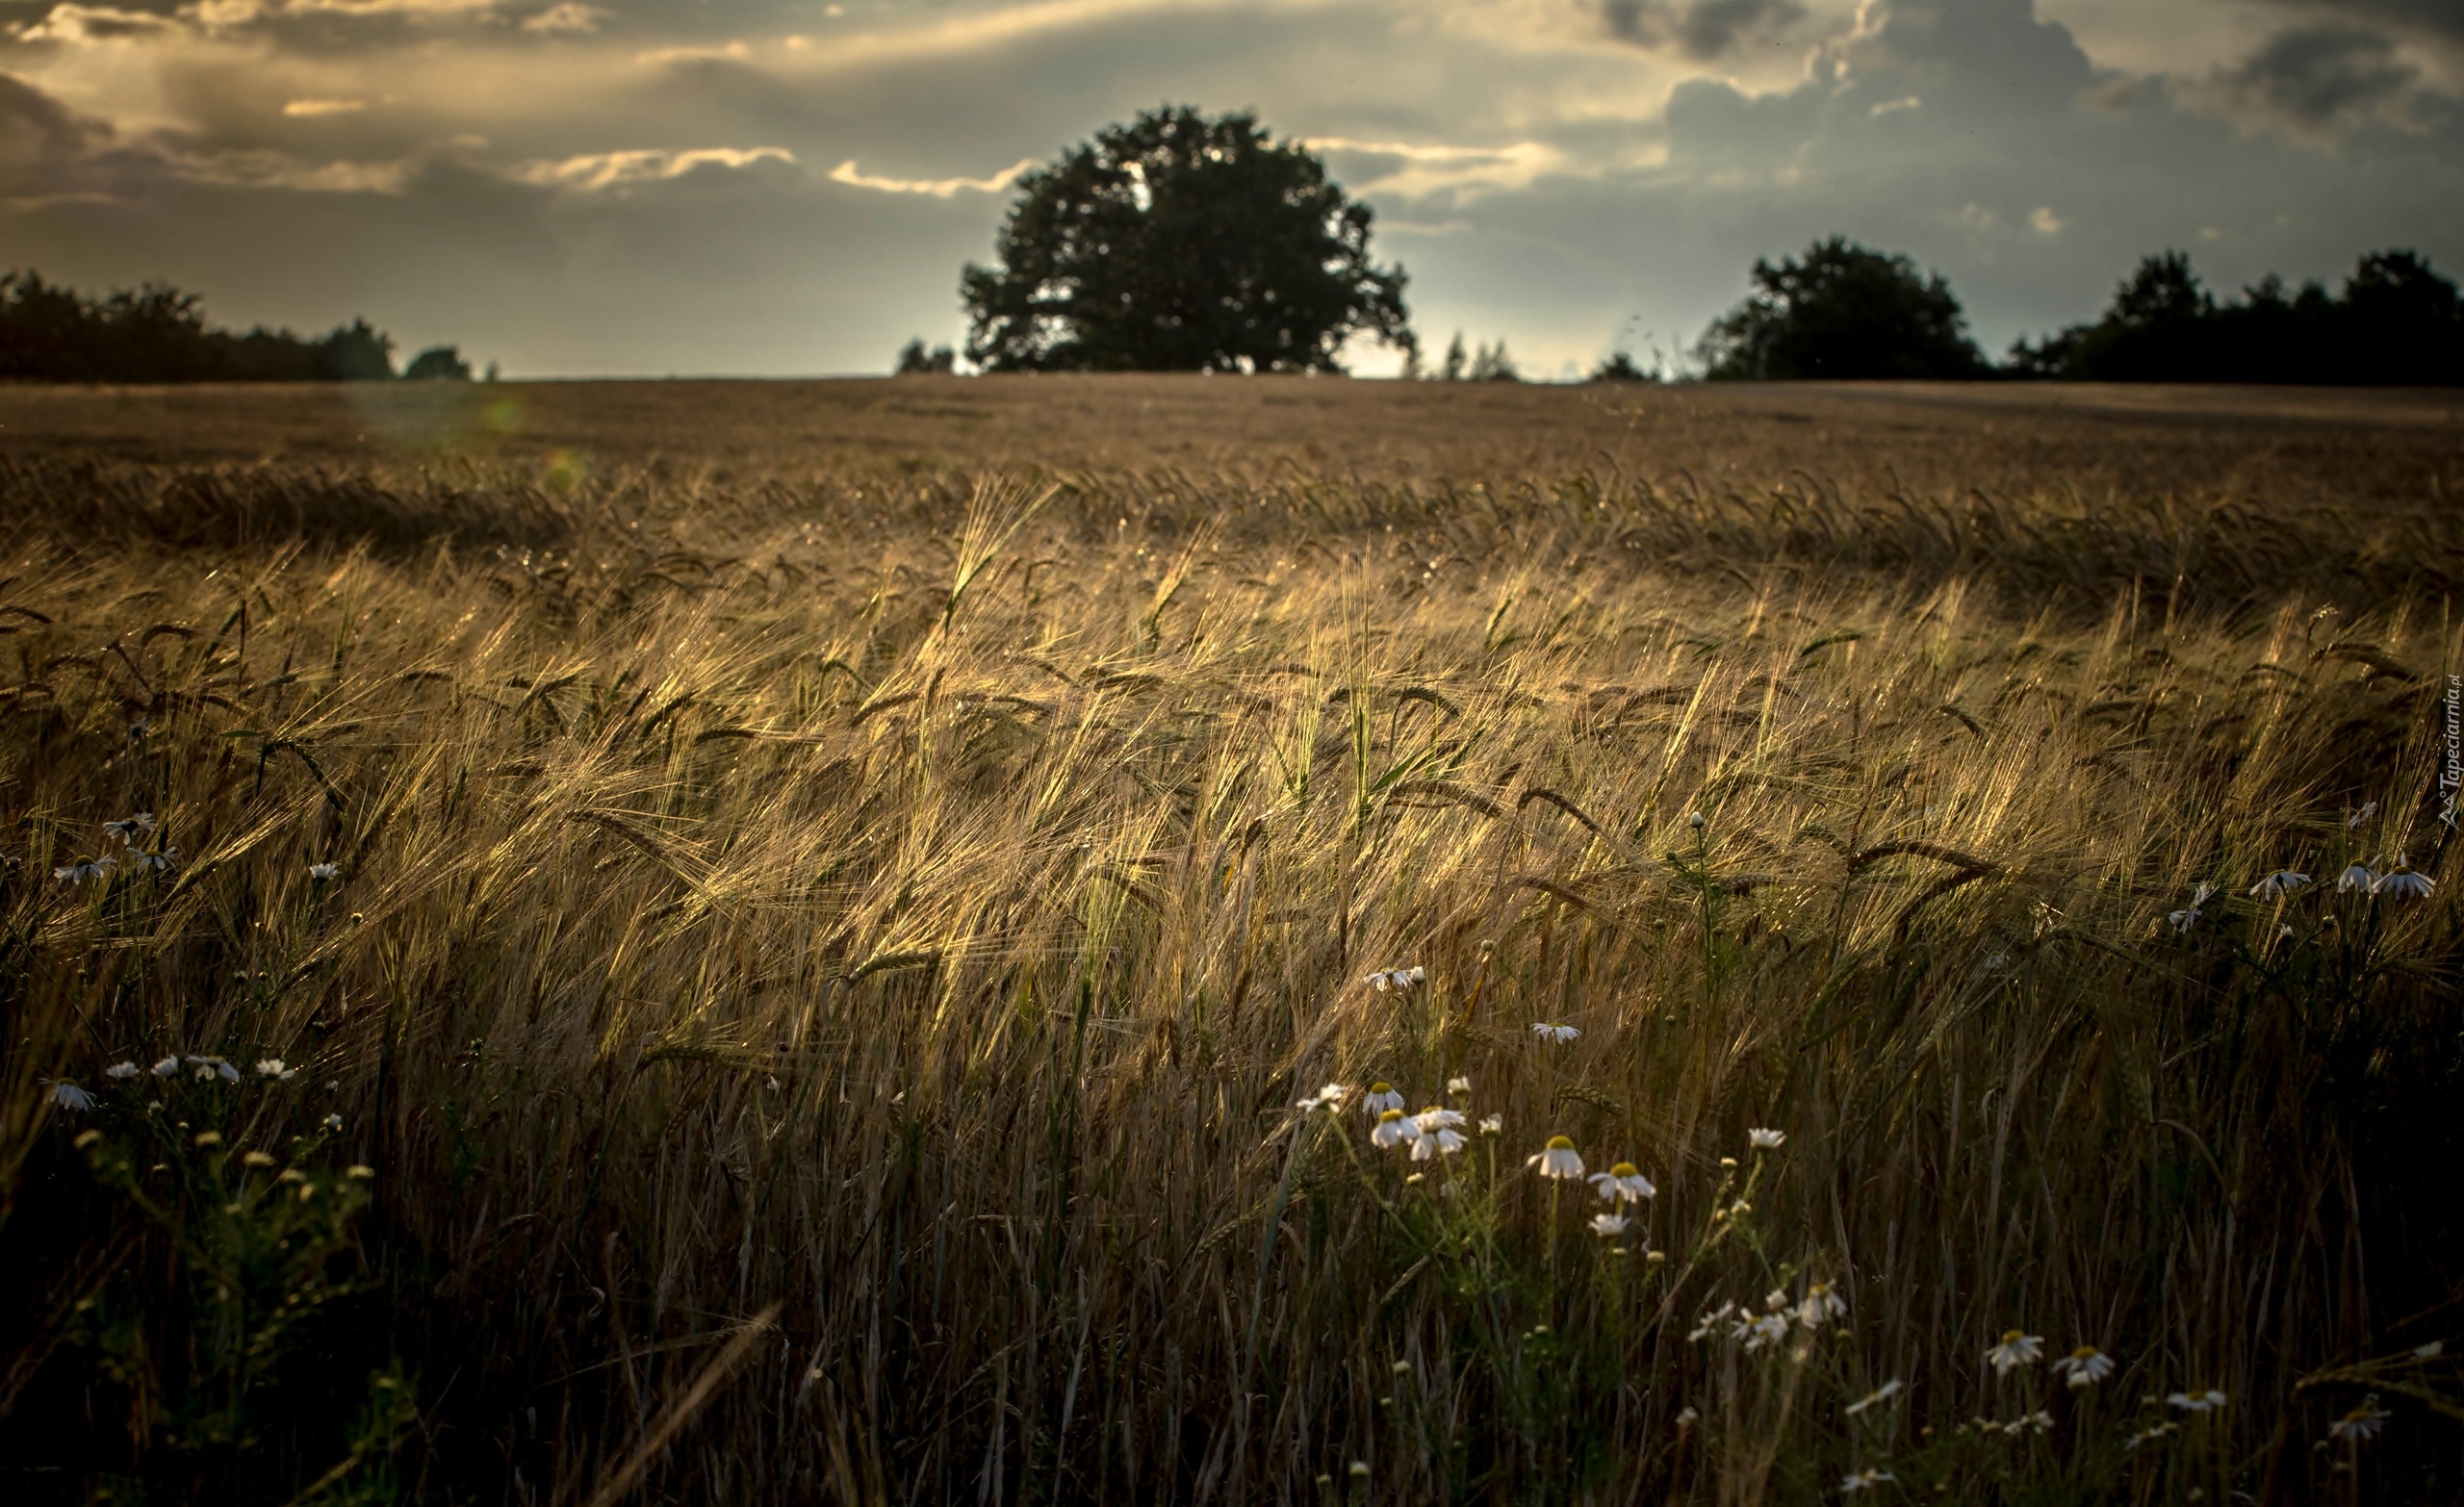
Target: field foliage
point(797, 987)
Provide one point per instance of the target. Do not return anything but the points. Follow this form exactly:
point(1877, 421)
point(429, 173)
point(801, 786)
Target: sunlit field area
point(1193, 940)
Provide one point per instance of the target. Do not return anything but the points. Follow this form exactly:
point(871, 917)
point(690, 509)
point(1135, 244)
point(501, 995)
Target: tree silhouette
point(915, 359)
point(1180, 243)
point(2396, 321)
point(1843, 312)
point(159, 334)
point(438, 364)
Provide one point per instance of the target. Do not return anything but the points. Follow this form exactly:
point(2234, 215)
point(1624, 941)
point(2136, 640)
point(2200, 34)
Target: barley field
point(1129, 940)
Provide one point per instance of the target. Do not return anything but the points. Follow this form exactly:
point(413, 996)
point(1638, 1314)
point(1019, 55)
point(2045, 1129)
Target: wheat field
point(848, 945)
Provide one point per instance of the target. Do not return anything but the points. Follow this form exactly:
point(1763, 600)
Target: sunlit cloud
point(599, 171)
point(2045, 221)
point(726, 52)
point(1460, 170)
point(564, 18)
point(939, 188)
point(311, 108)
point(269, 169)
point(92, 23)
point(1892, 106)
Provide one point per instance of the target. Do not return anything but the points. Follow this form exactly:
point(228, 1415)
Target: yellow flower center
point(2085, 1352)
point(1625, 1169)
point(1389, 1116)
point(1381, 1087)
point(1560, 1144)
point(2012, 1335)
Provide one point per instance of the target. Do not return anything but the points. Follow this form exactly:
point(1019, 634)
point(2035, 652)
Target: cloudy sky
point(771, 186)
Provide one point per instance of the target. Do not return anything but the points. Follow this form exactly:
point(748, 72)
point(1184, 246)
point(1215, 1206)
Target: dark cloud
point(2439, 17)
point(2314, 78)
point(1700, 30)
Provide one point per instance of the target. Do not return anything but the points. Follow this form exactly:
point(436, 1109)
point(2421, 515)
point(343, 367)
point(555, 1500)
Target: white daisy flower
point(1440, 1142)
point(2017, 1348)
point(2283, 881)
point(1687, 1417)
point(1382, 1097)
point(1877, 1397)
point(1493, 1125)
point(1393, 1130)
point(163, 863)
point(2369, 809)
point(2084, 1366)
point(68, 1096)
point(333, 1122)
point(1558, 1160)
point(122, 1072)
point(1549, 1030)
point(1624, 1183)
point(1607, 1226)
point(2358, 877)
point(322, 872)
point(2183, 920)
point(1821, 1306)
point(1712, 1322)
point(97, 869)
point(1769, 1329)
point(1865, 1480)
point(2146, 1435)
point(1416, 974)
point(129, 828)
point(1329, 1097)
point(166, 1067)
point(212, 1067)
point(2430, 1351)
point(2362, 1422)
point(2207, 1401)
point(1766, 1140)
point(274, 1069)
point(2401, 882)
point(1695, 821)
point(1434, 1119)
point(1459, 1085)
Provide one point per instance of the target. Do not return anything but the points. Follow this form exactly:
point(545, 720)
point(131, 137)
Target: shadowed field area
point(852, 942)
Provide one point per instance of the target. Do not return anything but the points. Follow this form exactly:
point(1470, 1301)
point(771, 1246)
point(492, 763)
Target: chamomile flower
point(1865, 1480)
point(1462, 1085)
point(2362, 1422)
point(1688, 1417)
point(333, 1122)
point(2369, 809)
point(68, 1096)
point(2017, 1348)
point(2358, 876)
point(1558, 1159)
point(1821, 1306)
point(1608, 1226)
point(1694, 820)
point(1767, 1330)
point(1877, 1397)
point(97, 869)
point(1550, 1030)
point(1382, 1097)
point(130, 828)
point(1434, 1119)
point(1624, 1183)
point(2207, 1401)
point(163, 863)
point(2283, 881)
point(1331, 1097)
point(2401, 882)
point(1764, 1138)
point(2183, 920)
point(2084, 1366)
point(1436, 1143)
point(322, 872)
point(1392, 1130)
point(273, 1067)
point(1493, 1125)
point(1712, 1322)
point(121, 1072)
point(209, 1068)
point(166, 1067)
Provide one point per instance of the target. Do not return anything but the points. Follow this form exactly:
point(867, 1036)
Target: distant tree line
point(1847, 312)
point(50, 333)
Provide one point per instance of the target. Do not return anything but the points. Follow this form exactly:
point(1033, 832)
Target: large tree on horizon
point(1843, 312)
point(1181, 243)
